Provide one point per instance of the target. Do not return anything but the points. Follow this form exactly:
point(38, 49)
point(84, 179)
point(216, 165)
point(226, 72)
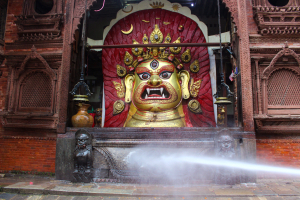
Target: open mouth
point(155, 93)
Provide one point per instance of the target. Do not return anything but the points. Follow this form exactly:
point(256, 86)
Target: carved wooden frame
point(265, 77)
point(16, 116)
point(238, 8)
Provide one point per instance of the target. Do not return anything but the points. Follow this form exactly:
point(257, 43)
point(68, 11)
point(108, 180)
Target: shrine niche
point(279, 93)
point(154, 85)
point(32, 100)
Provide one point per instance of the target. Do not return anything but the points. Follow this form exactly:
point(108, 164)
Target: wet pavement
point(31, 187)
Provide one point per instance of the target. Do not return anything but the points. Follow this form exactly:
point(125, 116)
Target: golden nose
point(154, 80)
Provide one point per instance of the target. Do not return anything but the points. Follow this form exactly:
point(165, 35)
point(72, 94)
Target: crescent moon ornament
point(129, 31)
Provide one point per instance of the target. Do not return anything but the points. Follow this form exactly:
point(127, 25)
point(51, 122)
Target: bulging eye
point(165, 74)
point(144, 76)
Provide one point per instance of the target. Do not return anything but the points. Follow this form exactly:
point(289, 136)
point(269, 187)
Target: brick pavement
point(47, 188)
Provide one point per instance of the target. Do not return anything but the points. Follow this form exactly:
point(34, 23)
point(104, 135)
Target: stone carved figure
point(225, 150)
point(98, 117)
point(82, 156)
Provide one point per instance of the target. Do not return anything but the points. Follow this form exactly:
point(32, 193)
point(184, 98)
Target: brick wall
point(30, 154)
point(14, 8)
point(278, 152)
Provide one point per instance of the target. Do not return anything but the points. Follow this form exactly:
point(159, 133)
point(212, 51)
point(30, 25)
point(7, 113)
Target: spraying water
point(185, 164)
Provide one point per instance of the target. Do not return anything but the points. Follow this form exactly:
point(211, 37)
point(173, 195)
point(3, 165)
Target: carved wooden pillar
point(65, 69)
point(247, 101)
point(256, 60)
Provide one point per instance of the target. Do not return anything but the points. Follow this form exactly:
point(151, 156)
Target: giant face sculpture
point(157, 93)
point(156, 86)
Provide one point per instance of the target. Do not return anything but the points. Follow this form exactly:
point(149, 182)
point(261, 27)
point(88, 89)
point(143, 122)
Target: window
point(283, 88)
point(36, 92)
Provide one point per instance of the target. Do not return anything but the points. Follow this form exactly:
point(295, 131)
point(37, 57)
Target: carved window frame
point(20, 85)
point(267, 73)
point(18, 77)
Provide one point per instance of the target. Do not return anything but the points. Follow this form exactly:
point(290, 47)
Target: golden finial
point(156, 35)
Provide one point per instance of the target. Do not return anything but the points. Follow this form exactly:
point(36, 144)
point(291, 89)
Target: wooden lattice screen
point(36, 91)
point(284, 88)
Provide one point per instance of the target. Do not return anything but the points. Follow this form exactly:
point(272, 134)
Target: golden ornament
point(194, 87)
point(145, 39)
point(129, 31)
point(186, 56)
point(195, 67)
point(118, 107)
point(136, 50)
point(194, 106)
point(128, 59)
point(145, 21)
point(176, 50)
point(121, 71)
point(167, 41)
point(156, 35)
point(120, 88)
point(155, 5)
point(176, 6)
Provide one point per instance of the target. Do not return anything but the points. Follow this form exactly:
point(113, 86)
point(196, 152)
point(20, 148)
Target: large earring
point(185, 78)
point(129, 79)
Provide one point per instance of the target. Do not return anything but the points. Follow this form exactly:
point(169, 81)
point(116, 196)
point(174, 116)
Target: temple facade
point(41, 60)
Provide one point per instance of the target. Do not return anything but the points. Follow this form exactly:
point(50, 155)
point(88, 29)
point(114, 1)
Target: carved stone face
point(82, 140)
point(156, 86)
point(226, 141)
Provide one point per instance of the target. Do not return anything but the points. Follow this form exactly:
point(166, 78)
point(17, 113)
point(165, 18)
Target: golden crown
point(164, 53)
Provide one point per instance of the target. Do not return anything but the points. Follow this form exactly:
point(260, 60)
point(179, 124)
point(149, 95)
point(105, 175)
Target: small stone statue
point(225, 147)
point(98, 117)
point(82, 156)
point(225, 150)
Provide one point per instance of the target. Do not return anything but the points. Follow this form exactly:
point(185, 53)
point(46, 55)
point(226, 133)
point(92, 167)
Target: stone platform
point(37, 187)
point(113, 146)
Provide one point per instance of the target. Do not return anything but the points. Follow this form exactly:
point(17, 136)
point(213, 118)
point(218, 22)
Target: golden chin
point(170, 118)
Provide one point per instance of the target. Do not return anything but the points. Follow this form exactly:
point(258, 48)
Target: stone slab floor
point(47, 188)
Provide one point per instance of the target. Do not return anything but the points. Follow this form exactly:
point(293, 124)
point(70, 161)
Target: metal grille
point(284, 88)
point(36, 91)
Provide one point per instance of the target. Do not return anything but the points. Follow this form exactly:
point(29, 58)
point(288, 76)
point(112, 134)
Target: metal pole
point(83, 39)
point(221, 53)
point(156, 45)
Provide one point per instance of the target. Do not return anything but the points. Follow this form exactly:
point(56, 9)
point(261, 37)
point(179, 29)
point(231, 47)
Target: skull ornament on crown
point(157, 86)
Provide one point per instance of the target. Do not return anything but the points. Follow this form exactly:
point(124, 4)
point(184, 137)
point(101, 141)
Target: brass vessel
point(82, 118)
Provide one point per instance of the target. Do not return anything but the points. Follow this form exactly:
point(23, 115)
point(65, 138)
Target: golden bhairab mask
point(156, 88)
